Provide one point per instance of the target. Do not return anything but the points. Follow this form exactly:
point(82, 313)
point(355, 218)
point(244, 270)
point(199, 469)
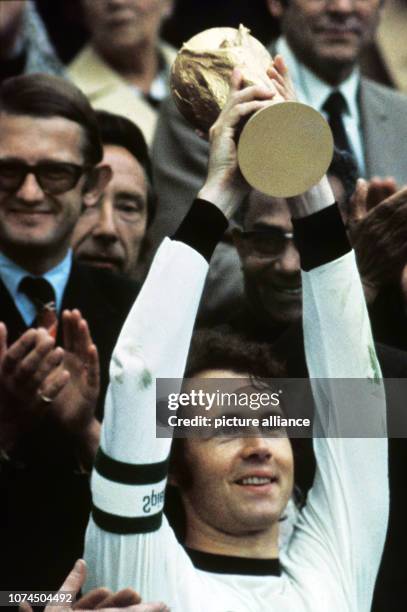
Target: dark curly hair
point(212, 349)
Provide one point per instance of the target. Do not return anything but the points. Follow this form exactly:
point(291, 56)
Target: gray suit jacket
point(180, 160)
point(384, 126)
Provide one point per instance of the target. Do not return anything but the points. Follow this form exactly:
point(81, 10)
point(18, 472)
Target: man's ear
point(276, 8)
point(95, 184)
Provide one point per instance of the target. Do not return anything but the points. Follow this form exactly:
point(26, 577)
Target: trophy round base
point(285, 149)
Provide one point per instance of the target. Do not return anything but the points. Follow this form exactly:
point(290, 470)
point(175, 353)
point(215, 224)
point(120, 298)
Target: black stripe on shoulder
point(202, 227)
point(320, 237)
point(128, 473)
point(124, 525)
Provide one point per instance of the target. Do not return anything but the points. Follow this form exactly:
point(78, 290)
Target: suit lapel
point(379, 135)
point(90, 292)
point(84, 293)
point(10, 315)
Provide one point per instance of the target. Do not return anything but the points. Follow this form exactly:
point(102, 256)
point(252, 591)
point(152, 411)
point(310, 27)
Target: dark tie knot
point(335, 104)
point(39, 290)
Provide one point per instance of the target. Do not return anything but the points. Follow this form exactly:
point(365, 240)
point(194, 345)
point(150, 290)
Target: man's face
point(270, 260)
point(327, 34)
point(30, 218)
point(239, 485)
point(121, 24)
point(110, 233)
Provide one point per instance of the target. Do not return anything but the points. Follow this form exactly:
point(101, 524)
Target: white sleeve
point(343, 526)
point(128, 543)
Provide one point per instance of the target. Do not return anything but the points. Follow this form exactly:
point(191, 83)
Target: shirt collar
point(159, 86)
point(11, 274)
point(224, 564)
point(311, 89)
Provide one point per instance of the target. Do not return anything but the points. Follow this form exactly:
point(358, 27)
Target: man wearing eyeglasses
point(50, 154)
point(270, 262)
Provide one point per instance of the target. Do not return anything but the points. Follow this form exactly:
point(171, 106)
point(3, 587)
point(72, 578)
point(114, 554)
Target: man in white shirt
point(233, 562)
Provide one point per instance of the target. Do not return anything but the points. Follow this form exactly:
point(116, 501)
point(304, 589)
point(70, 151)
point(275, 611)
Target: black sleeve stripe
point(124, 525)
point(321, 237)
point(202, 228)
point(128, 473)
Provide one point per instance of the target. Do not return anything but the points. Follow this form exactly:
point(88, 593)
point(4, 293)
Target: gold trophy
point(283, 149)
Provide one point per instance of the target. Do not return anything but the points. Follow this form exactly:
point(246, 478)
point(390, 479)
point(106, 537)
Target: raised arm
point(128, 542)
point(343, 525)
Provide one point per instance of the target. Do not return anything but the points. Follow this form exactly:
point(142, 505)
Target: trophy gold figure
point(283, 149)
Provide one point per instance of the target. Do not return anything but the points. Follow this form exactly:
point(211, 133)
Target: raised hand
point(278, 73)
point(30, 378)
point(225, 185)
point(379, 234)
point(97, 599)
point(367, 195)
point(74, 407)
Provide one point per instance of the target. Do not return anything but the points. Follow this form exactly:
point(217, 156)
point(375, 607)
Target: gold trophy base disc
point(285, 149)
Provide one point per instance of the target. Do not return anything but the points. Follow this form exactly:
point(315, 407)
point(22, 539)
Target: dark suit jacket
point(45, 499)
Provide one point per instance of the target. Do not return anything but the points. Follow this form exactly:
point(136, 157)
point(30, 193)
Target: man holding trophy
point(240, 486)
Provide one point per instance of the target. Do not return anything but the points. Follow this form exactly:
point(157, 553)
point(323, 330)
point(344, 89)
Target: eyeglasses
point(53, 177)
point(269, 242)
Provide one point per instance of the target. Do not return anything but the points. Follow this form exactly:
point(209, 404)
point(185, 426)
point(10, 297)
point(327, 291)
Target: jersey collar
point(224, 564)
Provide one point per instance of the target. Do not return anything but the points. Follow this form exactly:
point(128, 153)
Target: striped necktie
point(335, 106)
point(42, 295)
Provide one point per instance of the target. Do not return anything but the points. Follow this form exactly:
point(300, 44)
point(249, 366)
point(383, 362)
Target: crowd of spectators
point(98, 169)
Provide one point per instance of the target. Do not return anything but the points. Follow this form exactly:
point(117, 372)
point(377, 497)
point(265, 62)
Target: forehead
point(35, 138)
point(315, 6)
point(101, 7)
point(216, 382)
point(265, 210)
point(128, 173)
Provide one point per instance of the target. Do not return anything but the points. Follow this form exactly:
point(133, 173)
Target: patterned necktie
point(335, 105)
point(42, 295)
